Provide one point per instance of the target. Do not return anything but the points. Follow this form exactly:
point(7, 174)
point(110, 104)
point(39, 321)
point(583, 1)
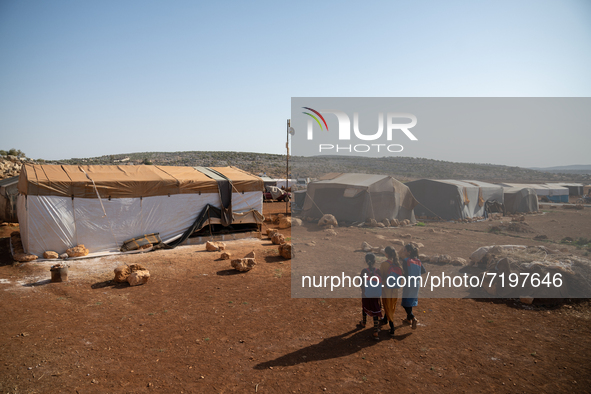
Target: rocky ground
point(11, 166)
point(200, 326)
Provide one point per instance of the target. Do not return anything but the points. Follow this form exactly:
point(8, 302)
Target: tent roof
point(565, 184)
point(351, 179)
point(8, 181)
point(127, 181)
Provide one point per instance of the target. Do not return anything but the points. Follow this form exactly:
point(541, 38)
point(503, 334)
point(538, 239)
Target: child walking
point(390, 270)
point(412, 267)
point(370, 293)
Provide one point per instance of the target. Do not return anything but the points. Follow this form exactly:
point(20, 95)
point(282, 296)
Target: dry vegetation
point(312, 167)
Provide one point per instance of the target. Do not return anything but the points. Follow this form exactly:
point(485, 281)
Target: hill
point(573, 169)
point(404, 168)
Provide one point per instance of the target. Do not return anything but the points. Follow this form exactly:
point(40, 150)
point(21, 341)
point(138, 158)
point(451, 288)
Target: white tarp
point(541, 190)
point(57, 223)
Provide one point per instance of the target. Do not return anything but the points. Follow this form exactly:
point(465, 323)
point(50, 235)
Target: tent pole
point(287, 169)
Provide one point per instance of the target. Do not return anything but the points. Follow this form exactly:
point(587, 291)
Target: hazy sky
point(89, 78)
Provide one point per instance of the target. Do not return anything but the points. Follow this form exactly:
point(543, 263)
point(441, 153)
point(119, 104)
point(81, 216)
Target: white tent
point(102, 206)
point(574, 189)
point(453, 200)
point(281, 183)
point(554, 193)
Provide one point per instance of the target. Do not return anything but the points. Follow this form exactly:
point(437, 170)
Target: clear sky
point(90, 78)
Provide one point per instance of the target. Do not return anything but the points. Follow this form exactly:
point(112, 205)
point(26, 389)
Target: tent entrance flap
point(207, 212)
point(225, 191)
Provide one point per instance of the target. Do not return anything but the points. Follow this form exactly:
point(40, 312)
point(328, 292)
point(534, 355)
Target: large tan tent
point(520, 199)
point(453, 200)
point(61, 206)
point(357, 197)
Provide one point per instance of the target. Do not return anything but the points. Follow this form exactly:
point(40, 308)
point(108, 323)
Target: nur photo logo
point(395, 122)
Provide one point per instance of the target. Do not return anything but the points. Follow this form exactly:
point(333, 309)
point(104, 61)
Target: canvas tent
point(268, 181)
point(282, 183)
point(520, 199)
point(8, 196)
point(358, 197)
point(453, 200)
point(59, 206)
point(574, 189)
point(553, 193)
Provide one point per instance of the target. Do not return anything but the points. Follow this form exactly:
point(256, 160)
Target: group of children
point(381, 286)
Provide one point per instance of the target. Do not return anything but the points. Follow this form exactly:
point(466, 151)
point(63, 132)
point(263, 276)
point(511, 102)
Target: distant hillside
point(403, 168)
point(574, 169)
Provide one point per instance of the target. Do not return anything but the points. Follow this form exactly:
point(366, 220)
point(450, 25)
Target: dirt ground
point(200, 327)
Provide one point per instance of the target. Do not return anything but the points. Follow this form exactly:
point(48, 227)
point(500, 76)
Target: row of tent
point(357, 197)
point(60, 206)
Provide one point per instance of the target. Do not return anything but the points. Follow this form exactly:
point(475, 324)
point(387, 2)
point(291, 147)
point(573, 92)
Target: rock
point(540, 237)
point(417, 245)
point(526, 300)
point(214, 246)
point(295, 222)
point(381, 225)
point(225, 256)
point(277, 239)
point(479, 254)
point(459, 261)
point(286, 251)
point(77, 251)
point(270, 231)
point(397, 242)
point(251, 255)
point(243, 265)
point(64, 256)
point(50, 255)
point(490, 288)
point(122, 273)
point(285, 222)
point(441, 259)
point(394, 223)
point(330, 232)
point(406, 222)
point(371, 222)
point(377, 250)
point(24, 257)
point(406, 236)
point(327, 220)
point(138, 277)
point(504, 267)
point(386, 222)
point(424, 258)
point(365, 247)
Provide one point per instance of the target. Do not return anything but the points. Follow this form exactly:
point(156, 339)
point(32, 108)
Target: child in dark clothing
point(370, 300)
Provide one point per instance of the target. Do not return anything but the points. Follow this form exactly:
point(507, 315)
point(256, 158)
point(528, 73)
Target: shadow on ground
point(110, 283)
point(334, 347)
